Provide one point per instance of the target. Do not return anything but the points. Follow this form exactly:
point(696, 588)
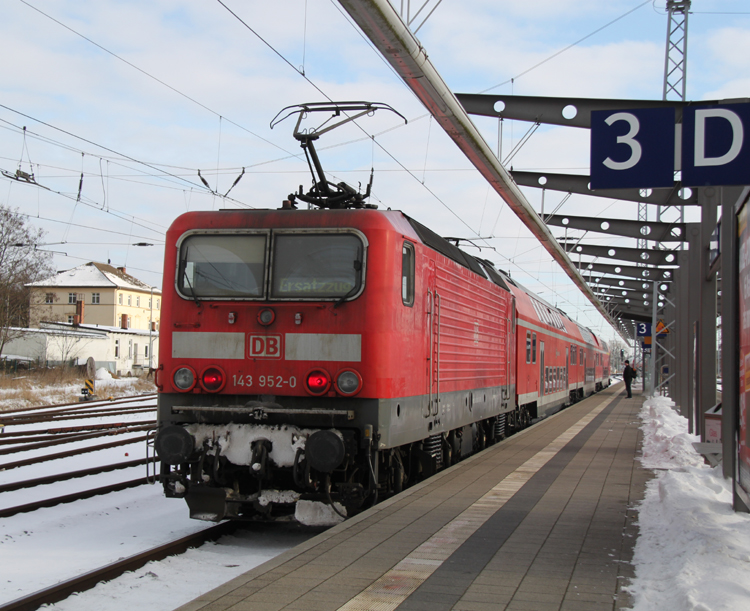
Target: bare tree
point(68, 345)
point(20, 263)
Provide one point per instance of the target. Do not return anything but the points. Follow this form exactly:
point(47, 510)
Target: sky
point(136, 97)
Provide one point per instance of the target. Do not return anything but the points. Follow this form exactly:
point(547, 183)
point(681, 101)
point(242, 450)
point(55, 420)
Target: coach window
point(407, 274)
point(533, 347)
point(317, 266)
point(222, 266)
point(580, 357)
point(528, 346)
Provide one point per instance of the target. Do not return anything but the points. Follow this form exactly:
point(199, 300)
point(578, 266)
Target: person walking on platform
point(628, 375)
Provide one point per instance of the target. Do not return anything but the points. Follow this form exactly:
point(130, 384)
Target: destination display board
point(743, 446)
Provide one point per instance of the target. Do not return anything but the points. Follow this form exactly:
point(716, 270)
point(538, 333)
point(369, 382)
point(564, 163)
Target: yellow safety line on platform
point(390, 590)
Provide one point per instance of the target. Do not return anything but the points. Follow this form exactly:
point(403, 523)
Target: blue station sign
point(636, 148)
point(632, 148)
point(714, 145)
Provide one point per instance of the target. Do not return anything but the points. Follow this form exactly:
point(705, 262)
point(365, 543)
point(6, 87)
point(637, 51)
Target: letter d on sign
point(700, 136)
point(714, 151)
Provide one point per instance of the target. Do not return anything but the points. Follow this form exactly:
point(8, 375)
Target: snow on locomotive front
point(282, 357)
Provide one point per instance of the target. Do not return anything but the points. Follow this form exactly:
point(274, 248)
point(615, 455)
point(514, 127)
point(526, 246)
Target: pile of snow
point(314, 513)
point(666, 442)
point(235, 441)
point(104, 379)
point(693, 551)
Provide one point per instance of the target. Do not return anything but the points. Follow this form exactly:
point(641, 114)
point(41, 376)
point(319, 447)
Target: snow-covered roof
point(95, 275)
point(97, 329)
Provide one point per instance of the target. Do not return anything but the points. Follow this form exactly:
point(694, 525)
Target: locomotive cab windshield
point(305, 265)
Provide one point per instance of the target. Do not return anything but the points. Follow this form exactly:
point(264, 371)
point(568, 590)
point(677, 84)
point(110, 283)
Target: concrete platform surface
point(542, 521)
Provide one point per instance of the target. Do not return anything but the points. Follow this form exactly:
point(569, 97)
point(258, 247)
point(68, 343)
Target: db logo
point(264, 346)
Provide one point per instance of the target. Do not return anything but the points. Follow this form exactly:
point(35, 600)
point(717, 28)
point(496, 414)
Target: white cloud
point(204, 52)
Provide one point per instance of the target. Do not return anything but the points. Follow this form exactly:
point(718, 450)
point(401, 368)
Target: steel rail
point(62, 439)
point(26, 435)
point(62, 590)
point(76, 452)
point(130, 399)
point(61, 477)
point(19, 420)
point(380, 22)
point(71, 498)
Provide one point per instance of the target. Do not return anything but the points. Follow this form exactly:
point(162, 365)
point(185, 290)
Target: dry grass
point(52, 386)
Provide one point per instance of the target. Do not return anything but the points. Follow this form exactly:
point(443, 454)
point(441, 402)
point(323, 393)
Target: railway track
point(25, 444)
point(84, 582)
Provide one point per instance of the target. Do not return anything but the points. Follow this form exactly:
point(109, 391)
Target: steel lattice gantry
point(690, 306)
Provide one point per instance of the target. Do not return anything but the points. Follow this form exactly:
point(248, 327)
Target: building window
point(129, 299)
point(117, 348)
point(158, 304)
point(94, 297)
point(119, 299)
point(49, 298)
point(130, 348)
point(145, 351)
point(138, 301)
point(71, 318)
point(71, 297)
point(149, 302)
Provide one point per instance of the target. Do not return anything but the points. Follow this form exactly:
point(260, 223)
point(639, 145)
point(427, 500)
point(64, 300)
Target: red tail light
point(318, 382)
point(213, 379)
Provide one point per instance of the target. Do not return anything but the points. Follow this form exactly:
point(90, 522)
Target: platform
point(543, 520)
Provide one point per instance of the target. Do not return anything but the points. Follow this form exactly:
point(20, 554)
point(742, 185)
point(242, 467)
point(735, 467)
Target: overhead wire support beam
point(390, 35)
point(658, 232)
point(634, 255)
point(579, 184)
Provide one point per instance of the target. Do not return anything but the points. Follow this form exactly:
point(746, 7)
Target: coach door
point(542, 379)
point(433, 349)
point(510, 350)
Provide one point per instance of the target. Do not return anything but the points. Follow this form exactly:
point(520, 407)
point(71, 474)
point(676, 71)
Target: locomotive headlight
point(184, 379)
point(213, 379)
point(266, 317)
point(317, 381)
point(348, 382)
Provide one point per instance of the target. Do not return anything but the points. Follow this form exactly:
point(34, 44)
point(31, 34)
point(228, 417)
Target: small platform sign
point(643, 329)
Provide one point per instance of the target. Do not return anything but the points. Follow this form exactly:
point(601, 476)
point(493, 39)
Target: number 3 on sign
point(629, 139)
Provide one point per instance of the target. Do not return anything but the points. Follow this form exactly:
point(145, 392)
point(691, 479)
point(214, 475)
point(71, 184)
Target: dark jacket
point(629, 374)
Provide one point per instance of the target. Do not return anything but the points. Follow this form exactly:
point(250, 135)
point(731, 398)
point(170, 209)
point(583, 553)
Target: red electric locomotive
point(337, 355)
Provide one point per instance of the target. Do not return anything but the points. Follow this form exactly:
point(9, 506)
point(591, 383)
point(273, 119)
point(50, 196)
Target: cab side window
point(407, 274)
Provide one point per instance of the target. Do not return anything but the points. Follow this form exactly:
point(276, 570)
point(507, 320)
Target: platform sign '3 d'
point(636, 148)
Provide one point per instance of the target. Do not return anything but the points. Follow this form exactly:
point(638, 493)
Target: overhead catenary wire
point(151, 76)
point(567, 48)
